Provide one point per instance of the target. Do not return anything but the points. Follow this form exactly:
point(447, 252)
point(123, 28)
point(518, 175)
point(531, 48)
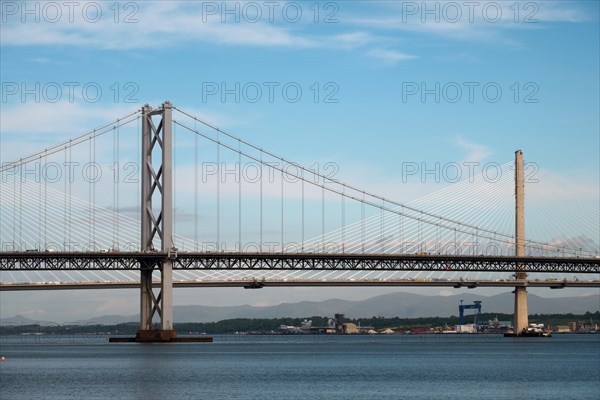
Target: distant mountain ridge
point(399, 304)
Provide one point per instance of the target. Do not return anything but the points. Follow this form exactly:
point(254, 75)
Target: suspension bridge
point(206, 208)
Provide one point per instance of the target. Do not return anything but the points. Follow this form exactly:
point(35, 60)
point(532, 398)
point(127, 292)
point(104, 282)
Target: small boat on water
point(533, 330)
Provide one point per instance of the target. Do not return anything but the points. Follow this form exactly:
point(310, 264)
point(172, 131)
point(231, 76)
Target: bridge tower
point(521, 317)
point(157, 222)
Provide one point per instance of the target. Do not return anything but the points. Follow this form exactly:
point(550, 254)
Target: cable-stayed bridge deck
point(260, 283)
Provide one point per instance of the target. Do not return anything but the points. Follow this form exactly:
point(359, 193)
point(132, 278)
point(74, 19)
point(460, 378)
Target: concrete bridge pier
point(521, 318)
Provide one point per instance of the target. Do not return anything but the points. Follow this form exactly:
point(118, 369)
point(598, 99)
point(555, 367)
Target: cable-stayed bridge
point(216, 210)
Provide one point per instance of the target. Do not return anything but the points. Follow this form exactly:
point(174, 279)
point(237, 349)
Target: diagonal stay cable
point(372, 203)
point(356, 189)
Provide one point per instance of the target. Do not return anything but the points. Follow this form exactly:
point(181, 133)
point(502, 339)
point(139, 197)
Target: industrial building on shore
point(338, 324)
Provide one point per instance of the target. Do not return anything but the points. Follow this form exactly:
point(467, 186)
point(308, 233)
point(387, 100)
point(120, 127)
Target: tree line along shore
point(272, 325)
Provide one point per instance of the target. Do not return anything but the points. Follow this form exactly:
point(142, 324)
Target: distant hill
point(110, 320)
point(20, 320)
point(103, 320)
point(404, 305)
point(400, 304)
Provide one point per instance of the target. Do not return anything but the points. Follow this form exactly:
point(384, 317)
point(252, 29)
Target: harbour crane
point(462, 307)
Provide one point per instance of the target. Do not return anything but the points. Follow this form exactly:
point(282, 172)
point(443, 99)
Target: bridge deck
point(258, 284)
point(292, 261)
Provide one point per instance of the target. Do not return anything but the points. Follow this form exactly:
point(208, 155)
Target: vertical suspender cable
point(2, 228)
point(39, 186)
point(302, 210)
point(218, 192)
point(14, 213)
point(239, 176)
point(65, 204)
point(382, 226)
point(420, 237)
point(282, 246)
point(94, 193)
point(174, 171)
point(45, 204)
point(91, 204)
point(2, 179)
point(196, 188)
point(115, 182)
point(455, 242)
point(400, 226)
point(439, 238)
point(117, 211)
point(323, 216)
point(343, 218)
point(262, 166)
point(138, 150)
point(362, 221)
point(21, 207)
point(70, 192)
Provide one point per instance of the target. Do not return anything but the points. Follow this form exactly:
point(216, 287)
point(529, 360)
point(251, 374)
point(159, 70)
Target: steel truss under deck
point(26, 261)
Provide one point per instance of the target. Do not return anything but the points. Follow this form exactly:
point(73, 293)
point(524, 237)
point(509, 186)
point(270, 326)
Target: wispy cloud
point(563, 11)
point(390, 57)
point(351, 39)
point(474, 152)
point(476, 21)
point(176, 23)
point(61, 119)
point(22, 135)
point(161, 24)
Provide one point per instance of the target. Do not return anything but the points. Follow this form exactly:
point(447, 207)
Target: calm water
point(286, 367)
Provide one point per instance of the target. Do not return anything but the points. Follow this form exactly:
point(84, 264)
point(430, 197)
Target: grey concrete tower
point(521, 320)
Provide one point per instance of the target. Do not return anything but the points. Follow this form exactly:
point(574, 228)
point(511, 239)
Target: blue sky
point(368, 57)
point(371, 54)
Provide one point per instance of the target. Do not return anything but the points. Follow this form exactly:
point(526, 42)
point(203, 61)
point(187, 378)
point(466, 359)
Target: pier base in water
point(160, 336)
